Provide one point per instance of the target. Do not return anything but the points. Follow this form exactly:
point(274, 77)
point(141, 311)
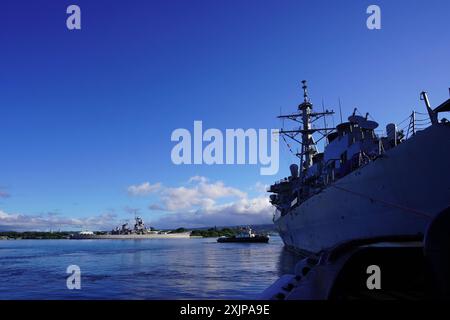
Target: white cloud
point(17, 221)
point(4, 215)
point(204, 203)
point(198, 194)
point(241, 212)
point(198, 179)
point(144, 189)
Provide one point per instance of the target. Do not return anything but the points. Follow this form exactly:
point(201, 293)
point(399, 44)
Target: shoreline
point(184, 235)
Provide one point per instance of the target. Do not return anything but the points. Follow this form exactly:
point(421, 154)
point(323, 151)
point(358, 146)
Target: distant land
point(205, 232)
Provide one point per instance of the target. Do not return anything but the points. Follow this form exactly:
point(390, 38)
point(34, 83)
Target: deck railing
point(415, 122)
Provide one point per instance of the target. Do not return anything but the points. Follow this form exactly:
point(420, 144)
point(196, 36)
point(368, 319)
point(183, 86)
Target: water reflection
point(142, 269)
point(287, 261)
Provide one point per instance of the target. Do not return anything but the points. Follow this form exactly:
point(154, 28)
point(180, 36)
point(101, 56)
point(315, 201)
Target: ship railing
point(415, 122)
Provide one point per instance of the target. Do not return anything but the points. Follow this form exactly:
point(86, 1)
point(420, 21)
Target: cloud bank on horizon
point(202, 203)
point(198, 203)
point(51, 221)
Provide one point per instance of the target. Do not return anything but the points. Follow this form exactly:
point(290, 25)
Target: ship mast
point(306, 117)
point(308, 145)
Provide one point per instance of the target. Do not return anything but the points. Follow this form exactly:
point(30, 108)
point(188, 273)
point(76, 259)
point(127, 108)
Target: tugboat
point(245, 235)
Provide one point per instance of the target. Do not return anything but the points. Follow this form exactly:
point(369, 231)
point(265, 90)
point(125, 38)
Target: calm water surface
point(141, 269)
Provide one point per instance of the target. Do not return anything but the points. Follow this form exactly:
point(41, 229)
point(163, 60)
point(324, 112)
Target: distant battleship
point(139, 231)
point(363, 185)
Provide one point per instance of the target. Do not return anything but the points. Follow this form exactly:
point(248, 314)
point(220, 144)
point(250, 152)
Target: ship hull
point(256, 239)
point(397, 194)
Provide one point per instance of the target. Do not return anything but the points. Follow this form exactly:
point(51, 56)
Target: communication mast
point(306, 118)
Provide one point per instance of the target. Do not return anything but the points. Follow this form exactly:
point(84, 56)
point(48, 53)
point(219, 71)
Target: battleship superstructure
point(139, 228)
point(139, 231)
point(363, 184)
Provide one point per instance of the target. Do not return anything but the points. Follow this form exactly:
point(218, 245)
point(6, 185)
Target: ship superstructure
point(362, 184)
point(139, 228)
point(139, 231)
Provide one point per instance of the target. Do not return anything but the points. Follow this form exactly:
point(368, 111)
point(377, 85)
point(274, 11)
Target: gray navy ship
point(364, 184)
point(139, 231)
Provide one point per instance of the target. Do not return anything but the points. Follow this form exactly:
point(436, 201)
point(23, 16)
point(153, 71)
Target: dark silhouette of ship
point(245, 235)
point(363, 184)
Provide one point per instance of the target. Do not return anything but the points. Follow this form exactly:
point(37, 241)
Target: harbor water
point(141, 269)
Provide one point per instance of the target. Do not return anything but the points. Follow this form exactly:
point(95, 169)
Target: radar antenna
point(306, 117)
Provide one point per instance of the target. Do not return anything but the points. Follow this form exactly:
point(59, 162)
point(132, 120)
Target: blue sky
point(86, 114)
